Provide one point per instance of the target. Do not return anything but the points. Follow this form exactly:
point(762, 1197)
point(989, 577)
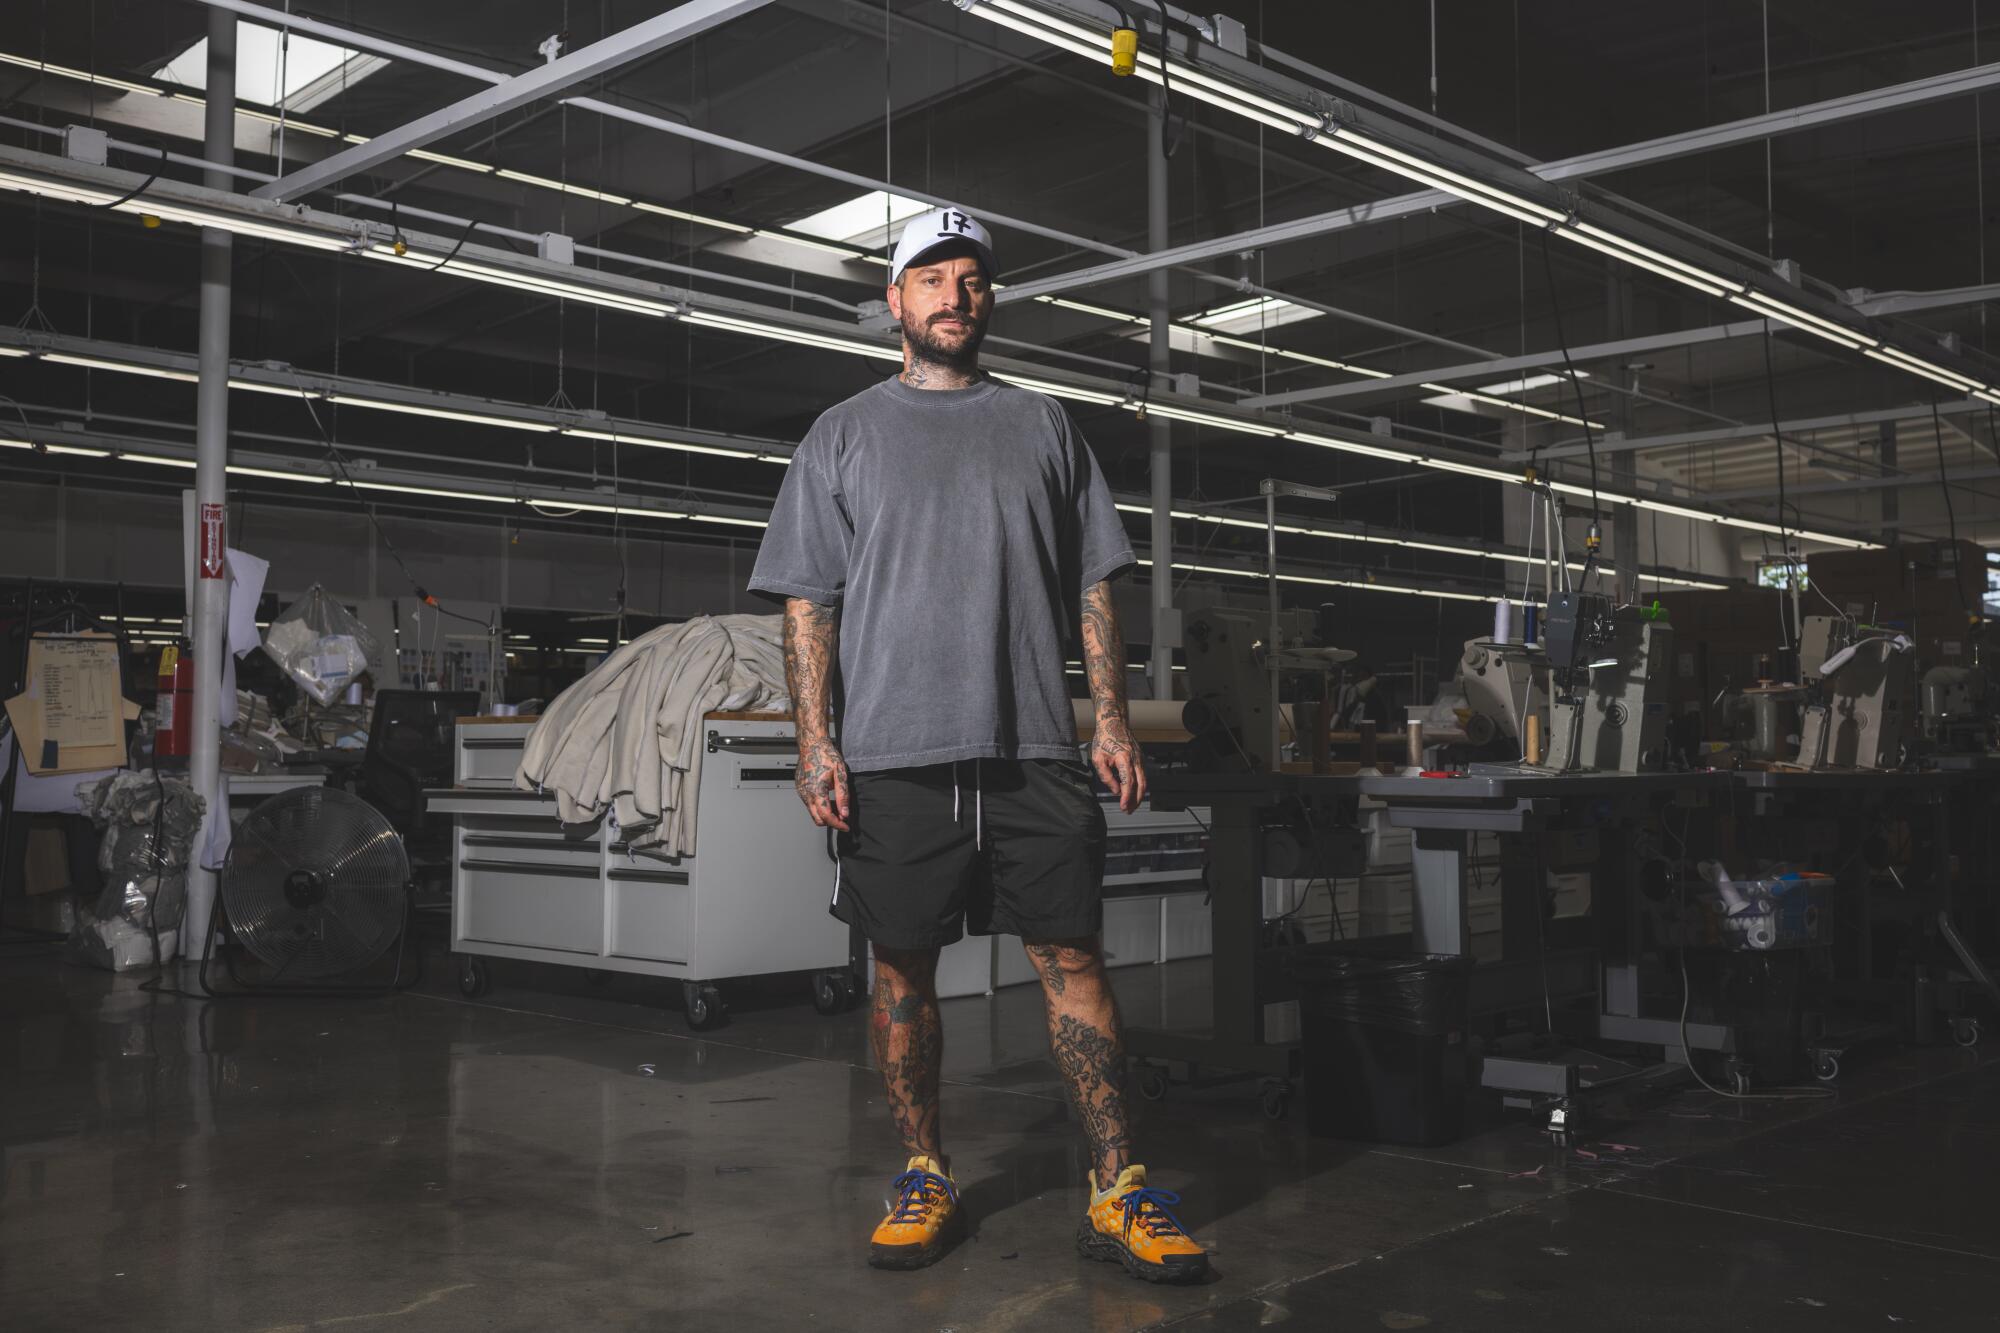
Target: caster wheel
point(1276, 1101)
point(1738, 1075)
point(474, 977)
point(1965, 1031)
point(829, 997)
point(598, 976)
point(1826, 1067)
point(1153, 1083)
point(850, 990)
point(1561, 1124)
point(703, 1005)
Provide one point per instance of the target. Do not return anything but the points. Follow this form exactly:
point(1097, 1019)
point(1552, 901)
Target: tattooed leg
point(908, 1040)
point(1084, 1037)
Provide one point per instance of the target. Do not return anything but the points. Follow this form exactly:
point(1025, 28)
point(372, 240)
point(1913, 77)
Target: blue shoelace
point(1160, 1221)
point(913, 1194)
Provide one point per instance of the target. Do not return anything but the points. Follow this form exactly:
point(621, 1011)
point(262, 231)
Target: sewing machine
point(1238, 666)
point(1608, 669)
point(1862, 717)
point(1503, 684)
point(1954, 709)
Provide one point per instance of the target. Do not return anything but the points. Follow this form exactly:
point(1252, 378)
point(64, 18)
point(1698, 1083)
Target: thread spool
point(1503, 621)
point(1414, 732)
point(1531, 741)
point(1529, 622)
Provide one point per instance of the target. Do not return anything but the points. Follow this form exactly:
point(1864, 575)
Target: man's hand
point(1117, 762)
point(822, 784)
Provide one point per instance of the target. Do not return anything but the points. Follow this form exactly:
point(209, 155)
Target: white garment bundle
point(627, 737)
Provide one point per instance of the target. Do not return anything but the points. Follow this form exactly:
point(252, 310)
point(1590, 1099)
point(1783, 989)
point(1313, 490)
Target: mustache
point(944, 316)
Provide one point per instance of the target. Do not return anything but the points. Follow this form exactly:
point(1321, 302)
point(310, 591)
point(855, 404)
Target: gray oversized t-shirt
point(956, 530)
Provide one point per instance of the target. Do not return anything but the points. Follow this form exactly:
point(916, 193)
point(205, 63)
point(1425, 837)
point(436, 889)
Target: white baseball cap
point(941, 226)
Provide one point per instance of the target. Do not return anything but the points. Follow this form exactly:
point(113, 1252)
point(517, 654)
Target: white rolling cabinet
point(752, 901)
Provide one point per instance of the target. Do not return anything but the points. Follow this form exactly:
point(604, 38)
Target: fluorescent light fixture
point(83, 76)
point(446, 160)
point(1102, 312)
point(651, 443)
point(529, 282)
point(1354, 447)
point(548, 184)
point(1309, 359)
point(169, 212)
point(1358, 584)
point(686, 216)
point(1055, 390)
point(1173, 413)
point(864, 221)
point(731, 324)
point(1359, 145)
point(1928, 369)
point(310, 478)
point(724, 518)
point(281, 390)
point(448, 414)
point(1259, 312)
point(1461, 400)
point(123, 367)
point(1646, 257)
point(1801, 320)
point(13, 351)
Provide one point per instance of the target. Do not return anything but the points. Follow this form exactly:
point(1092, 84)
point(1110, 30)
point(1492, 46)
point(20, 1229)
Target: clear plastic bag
point(149, 824)
point(320, 644)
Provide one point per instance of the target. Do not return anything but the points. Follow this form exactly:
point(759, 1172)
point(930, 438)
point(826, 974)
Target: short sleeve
point(1104, 551)
point(804, 553)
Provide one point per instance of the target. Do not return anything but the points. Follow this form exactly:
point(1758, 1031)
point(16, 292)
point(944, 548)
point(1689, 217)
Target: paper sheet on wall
point(73, 684)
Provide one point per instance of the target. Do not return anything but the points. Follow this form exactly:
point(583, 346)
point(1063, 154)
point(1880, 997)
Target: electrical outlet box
point(83, 144)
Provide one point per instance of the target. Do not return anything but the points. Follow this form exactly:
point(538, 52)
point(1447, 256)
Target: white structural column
point(209, 616)
point(1160, 431)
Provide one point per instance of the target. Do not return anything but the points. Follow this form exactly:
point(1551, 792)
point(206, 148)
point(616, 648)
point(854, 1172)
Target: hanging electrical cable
point(1594, 537)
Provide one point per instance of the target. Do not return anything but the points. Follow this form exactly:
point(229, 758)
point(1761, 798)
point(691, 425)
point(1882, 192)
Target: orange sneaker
point(1129, 1224)
point(923, 1220)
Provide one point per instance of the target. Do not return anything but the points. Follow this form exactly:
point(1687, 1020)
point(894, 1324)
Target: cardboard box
point(45, 868)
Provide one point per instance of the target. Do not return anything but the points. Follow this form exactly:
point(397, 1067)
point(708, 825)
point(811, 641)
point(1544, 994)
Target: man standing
point(939, 541)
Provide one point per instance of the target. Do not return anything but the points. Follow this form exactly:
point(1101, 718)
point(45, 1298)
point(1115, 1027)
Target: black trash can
point(1384, 1043)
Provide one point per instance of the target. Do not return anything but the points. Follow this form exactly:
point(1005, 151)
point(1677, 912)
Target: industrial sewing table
point(1443, 814)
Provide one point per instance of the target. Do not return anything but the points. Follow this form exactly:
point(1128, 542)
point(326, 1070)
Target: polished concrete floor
point(563, 1156)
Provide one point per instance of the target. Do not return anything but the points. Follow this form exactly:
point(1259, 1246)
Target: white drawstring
point(978, 801)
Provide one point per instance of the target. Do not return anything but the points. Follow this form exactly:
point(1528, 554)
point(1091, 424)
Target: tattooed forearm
point(1103, 653)
point(908, 1040)
point(1112, 749)
point(811, 644)
point(811, 635)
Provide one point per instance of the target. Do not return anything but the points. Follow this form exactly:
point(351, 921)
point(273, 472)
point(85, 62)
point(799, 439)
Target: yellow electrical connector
point(1124, 51)
point(148, 221)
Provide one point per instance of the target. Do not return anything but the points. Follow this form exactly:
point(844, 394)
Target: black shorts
point(997, 846)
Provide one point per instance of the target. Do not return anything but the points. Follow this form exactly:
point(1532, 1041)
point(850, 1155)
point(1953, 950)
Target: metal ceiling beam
point(1811, 116)
point(1508, 364)
point(1577, 449)
point(417, 56)
point(601, 57)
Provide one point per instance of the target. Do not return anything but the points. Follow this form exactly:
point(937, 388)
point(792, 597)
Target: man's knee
point(899, 970)
point(1063, 961)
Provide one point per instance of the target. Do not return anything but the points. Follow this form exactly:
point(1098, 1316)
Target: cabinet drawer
point(652, 913)
point(558, 907)
point(488, 756)
point(530, 849)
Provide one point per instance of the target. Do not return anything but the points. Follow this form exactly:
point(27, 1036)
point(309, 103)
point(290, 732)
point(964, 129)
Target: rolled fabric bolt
point(1503, 621)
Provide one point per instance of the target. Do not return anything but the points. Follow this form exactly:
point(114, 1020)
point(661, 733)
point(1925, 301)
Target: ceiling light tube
point(122, 367)
point(686, 216)
point(1354, 447)
point(1466, 185)
point(426, 155)
point(1924, 367)
point(1633, 251)
point(1801, 320)
point(1055, 390)
point(1703, 285)
point(1933, 374)
point(82, 76)
point(529, 282)
point(756, 329)
point(844, 251)
point(649, 442)
point(448, 414)
point(508, 173)
point(1173, 413)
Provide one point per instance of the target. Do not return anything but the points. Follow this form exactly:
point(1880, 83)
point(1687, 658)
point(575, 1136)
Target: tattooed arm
point(811, 648)
point(1111, 749)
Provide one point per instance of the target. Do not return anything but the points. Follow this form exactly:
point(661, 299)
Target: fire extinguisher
point(175, 708)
